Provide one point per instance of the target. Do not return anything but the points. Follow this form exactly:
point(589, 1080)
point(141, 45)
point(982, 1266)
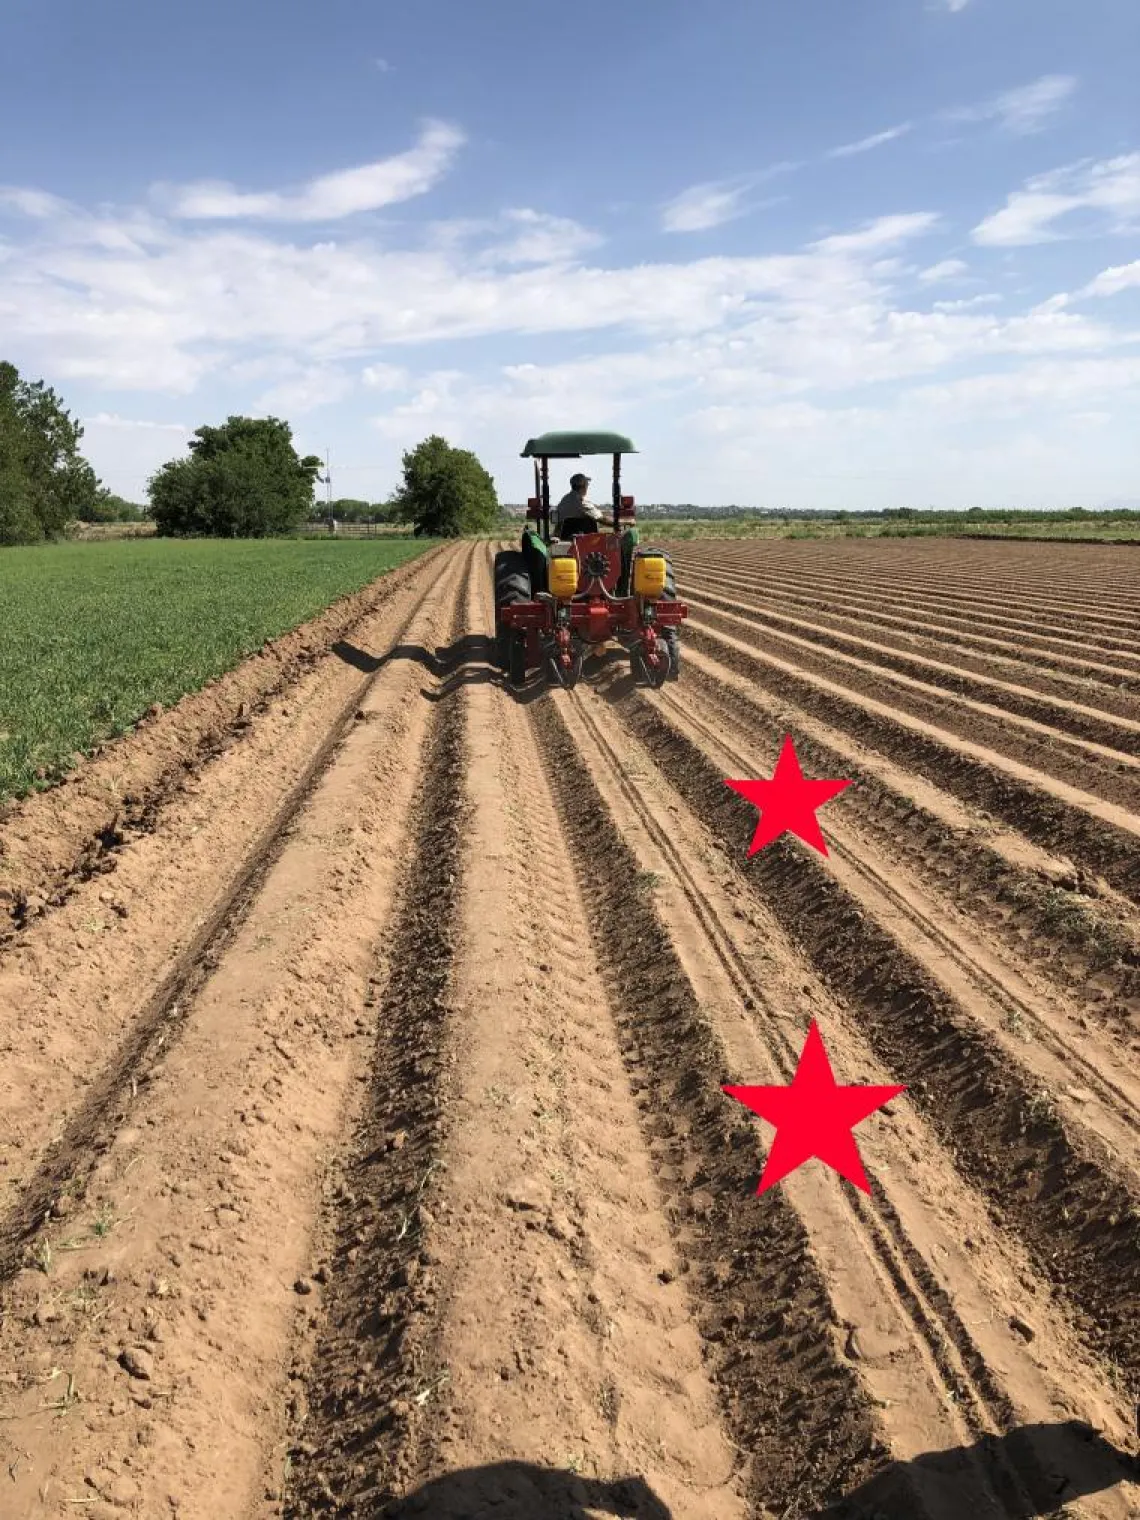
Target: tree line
point(242, 478)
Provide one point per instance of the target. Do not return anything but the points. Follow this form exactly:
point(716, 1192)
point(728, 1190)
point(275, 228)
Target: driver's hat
point(579, 480)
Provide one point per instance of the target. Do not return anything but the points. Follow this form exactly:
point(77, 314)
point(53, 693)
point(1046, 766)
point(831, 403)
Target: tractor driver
point(575, 512)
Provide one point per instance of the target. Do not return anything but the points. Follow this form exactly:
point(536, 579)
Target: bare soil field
point(363, 1026)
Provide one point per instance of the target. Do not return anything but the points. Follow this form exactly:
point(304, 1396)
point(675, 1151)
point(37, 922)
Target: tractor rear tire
point(641, 669)
point(516, 657)
point(512, 585)
point(671, 638)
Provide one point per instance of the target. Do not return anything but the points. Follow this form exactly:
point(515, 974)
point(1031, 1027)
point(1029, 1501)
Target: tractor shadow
point(471, 661)
point(1058, 1464)
point(524, 1491)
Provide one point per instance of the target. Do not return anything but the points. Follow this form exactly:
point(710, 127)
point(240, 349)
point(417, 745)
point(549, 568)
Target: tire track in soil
point(1095, 834)
point(1084, 939)
point(795, 1405)
point(582, 1344)
point(83, 1135)
point(53, 842)
point(367, 1371)
point(1078, 1219)
point(949, 1389)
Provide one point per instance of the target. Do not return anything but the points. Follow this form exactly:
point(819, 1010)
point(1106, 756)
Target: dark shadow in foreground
point(522, 1491)
point(1034, 1470)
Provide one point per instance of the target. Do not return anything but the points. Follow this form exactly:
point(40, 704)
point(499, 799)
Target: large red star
point(787, 801)
point(813, 1116)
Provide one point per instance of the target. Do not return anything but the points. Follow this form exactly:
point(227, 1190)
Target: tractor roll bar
point(542, 491)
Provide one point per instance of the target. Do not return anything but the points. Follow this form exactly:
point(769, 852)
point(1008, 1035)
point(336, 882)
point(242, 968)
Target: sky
point(829, 253)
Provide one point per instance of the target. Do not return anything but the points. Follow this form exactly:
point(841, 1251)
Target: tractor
point(558, 598)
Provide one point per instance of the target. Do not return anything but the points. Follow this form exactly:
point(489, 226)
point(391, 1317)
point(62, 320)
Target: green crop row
point(92, 634)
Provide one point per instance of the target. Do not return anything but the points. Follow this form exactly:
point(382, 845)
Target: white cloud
point(811, 350)
point(304, 390)
point(1024, 110)
point(882, 233)
point(384, 377)
point(945, 269)
point(541, 239)
point(33, 203)
point(865, 144)
point(382, 65)
point(1109, 190)
point(715, 202)
point(516, 237)
point(956, 5)
point(1110, 282)
point(113, 420)
point(344, 193)
point(968, 303)
point(1031, 387)
point(701, 207)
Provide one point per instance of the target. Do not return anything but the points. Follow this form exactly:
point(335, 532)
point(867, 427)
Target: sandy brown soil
point(362, 1147)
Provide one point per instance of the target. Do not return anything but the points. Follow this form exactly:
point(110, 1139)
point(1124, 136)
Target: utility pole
point(328, 494)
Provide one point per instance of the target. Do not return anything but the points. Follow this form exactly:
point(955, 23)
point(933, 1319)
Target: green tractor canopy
point(574, 445)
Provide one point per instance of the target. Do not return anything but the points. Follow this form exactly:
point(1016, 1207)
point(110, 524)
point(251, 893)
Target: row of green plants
point(147, 621)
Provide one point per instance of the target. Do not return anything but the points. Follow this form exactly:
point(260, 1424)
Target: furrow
point(795, 1404)
point(1074, 630)
point(926, 1366)
point(97, 986)
point(364, 1366)
point(1095, 833)
point(1086, 613)
point(1114, 686)
point(1056, 1186)
point(1113, 770)
point(997, 996)
point(1051, 920)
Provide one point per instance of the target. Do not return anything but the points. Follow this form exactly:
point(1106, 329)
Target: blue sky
point(840, 253)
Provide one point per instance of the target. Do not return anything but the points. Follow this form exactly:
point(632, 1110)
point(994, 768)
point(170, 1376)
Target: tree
point(445, 493)
point(109, 508)
point(243, 480)
point(44, 480)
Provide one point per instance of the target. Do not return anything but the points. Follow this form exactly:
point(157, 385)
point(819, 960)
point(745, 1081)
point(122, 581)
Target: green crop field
point(1091, 529)
point(92, 634)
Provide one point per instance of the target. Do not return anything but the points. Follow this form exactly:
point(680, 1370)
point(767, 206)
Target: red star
point(813, 1116)
point(787, 802)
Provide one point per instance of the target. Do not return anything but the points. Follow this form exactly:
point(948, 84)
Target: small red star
point(787, 801)
point(813, 1116)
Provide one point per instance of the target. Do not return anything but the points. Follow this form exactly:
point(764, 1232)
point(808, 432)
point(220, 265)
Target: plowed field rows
point(362, 1143)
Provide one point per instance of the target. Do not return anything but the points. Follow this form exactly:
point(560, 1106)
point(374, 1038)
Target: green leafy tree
point(243, 480)
point(45, 482)
point(445, 492)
